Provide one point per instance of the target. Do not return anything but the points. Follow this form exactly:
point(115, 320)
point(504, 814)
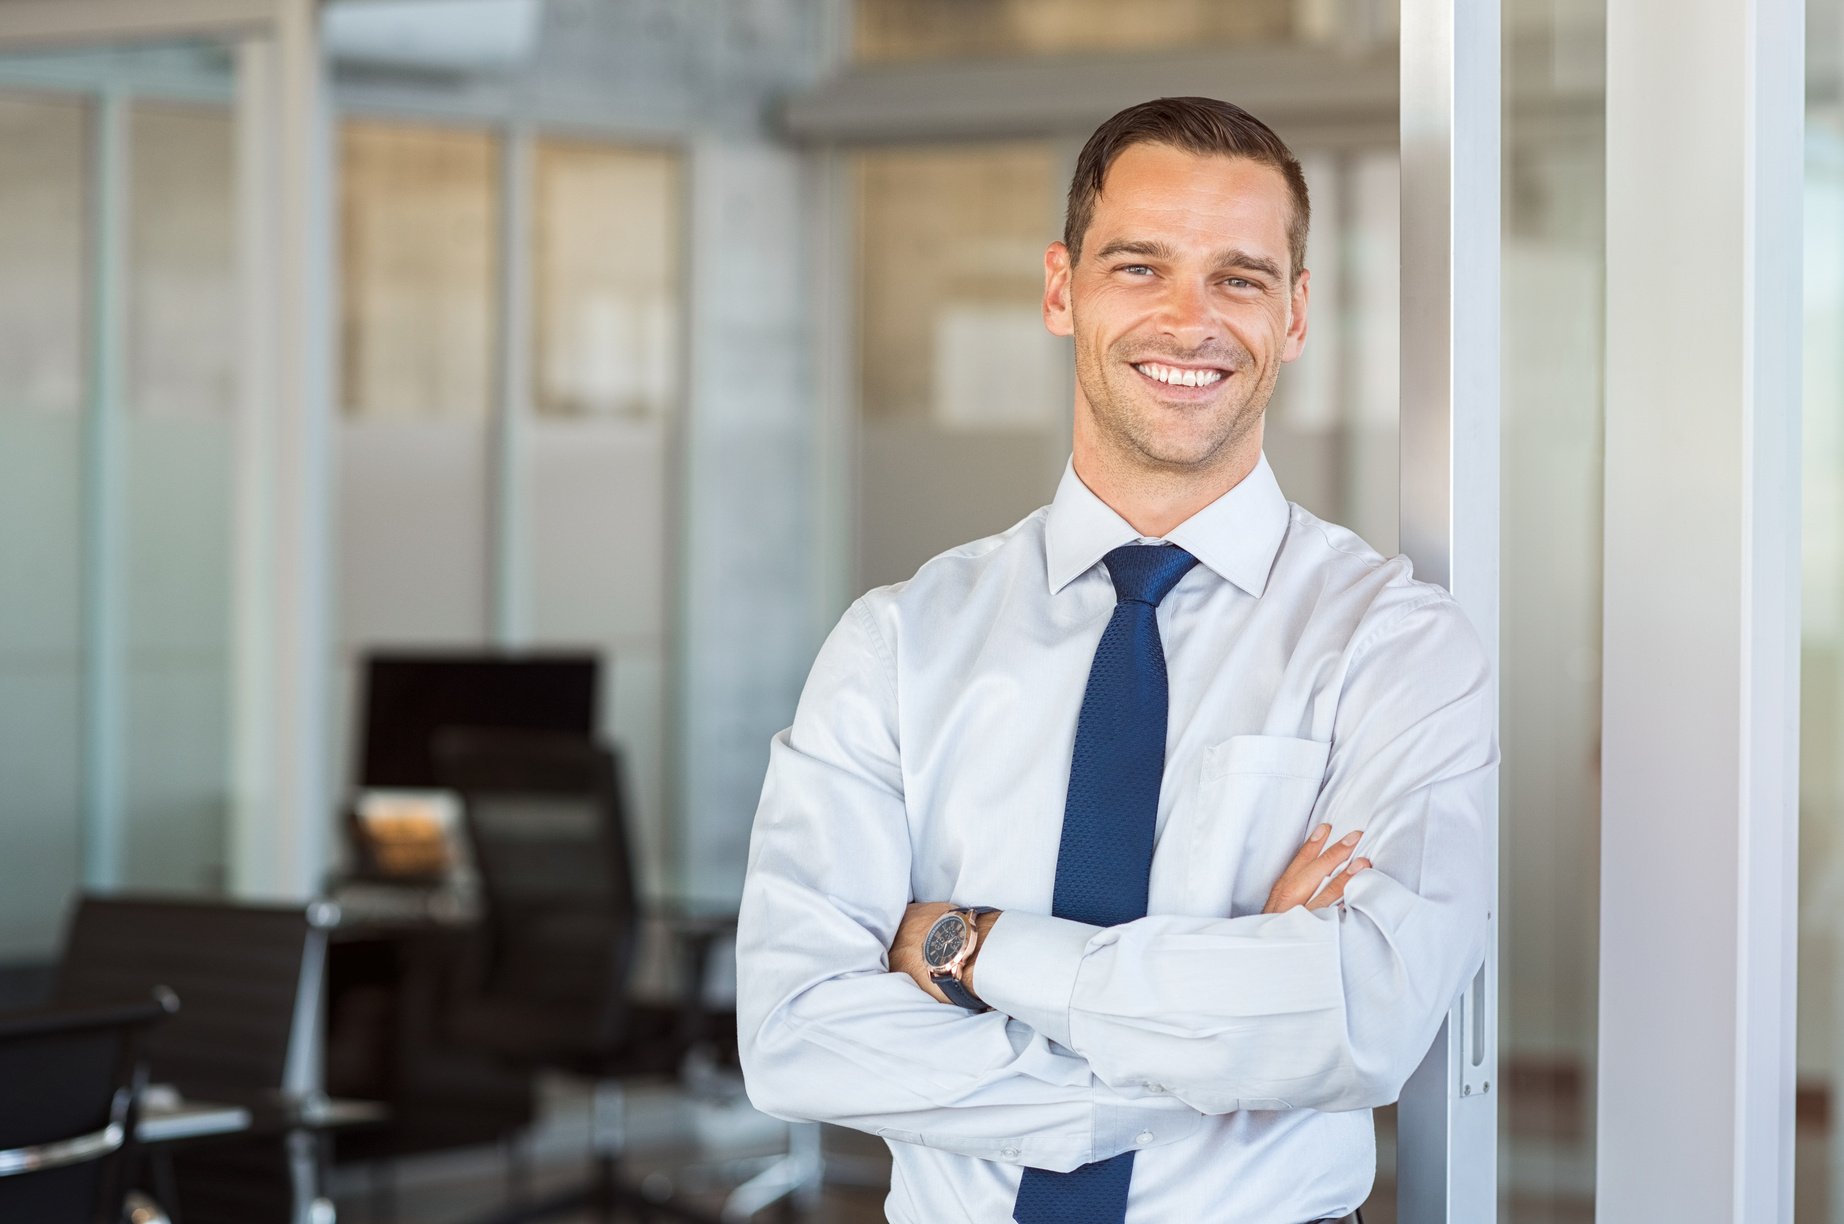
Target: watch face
point(944, 941)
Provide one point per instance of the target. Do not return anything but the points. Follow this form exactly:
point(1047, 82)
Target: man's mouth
point(1181, 376)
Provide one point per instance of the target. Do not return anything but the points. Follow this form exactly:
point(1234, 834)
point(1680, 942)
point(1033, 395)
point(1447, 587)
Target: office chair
point(546, 819)
point(73, 1078)
point(249, 977)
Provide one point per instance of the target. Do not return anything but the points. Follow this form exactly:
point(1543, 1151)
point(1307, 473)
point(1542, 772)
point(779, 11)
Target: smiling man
point(1116, 866)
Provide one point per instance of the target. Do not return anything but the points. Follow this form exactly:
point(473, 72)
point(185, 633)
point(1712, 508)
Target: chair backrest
point(546, 821)
point(69, 1084)
point(247, 977)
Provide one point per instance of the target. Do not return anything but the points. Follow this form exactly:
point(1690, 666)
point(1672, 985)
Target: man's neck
point(1154, 501)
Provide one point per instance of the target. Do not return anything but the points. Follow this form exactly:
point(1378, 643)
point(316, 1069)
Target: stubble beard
point(1127, 416)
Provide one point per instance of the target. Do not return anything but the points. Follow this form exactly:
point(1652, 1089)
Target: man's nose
point(1189, 315)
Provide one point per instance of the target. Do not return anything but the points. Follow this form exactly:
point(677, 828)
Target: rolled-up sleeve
point(827, 1032)
point(1323, 1009)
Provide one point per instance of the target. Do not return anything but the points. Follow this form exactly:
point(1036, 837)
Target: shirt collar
point(1236, 536)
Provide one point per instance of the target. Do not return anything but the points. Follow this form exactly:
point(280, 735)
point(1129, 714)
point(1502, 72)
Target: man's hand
point(906, 948)
point(1309, 870)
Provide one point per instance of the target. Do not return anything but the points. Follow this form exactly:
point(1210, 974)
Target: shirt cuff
point(1026, 968)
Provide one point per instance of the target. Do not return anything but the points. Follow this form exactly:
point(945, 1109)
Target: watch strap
point(958, 994)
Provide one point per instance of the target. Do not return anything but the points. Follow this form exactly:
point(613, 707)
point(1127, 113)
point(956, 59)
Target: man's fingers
point(1335, 854)
point(1309, 850)
point(1310, 867)
point(1334, 891)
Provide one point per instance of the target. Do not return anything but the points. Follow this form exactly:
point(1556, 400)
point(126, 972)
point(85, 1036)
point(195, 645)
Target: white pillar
point(1700, 668)
point(748, 567)
point(1447, 1146)
point(282, 801)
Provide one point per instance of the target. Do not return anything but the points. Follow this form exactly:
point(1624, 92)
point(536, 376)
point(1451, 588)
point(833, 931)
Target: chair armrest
point(78, 1149)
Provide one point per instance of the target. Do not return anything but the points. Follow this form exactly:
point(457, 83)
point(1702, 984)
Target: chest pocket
point(1255, 806)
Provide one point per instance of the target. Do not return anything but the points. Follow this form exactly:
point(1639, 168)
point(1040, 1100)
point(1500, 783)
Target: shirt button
point(1150, 1087)
point(1010, 1153)
point(1143, 1138)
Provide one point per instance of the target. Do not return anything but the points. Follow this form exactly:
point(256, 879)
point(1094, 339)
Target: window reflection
point(607, 299)
point(182, 316)
point(43, 147)
point(962, 392)
point(418, 211)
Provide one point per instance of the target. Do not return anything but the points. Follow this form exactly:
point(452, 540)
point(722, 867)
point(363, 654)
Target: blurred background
point(653, 333)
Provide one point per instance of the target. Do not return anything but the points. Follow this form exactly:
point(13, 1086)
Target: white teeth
point(1179, 377)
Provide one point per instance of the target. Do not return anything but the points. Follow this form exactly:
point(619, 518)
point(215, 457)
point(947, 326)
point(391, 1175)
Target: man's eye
point(1136, 268)
point(1237, 282)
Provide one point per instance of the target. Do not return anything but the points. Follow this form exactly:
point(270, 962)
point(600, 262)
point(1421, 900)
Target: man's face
point(1182, 309)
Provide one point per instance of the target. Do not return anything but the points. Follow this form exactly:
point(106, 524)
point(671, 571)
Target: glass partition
point(595, 496)
point(418, 211)
point(607, 299)
point(1819, 1147)
point(177, 505)
point(44, 148)
point(1550, 599)
point(118, 397)
point(963, 396)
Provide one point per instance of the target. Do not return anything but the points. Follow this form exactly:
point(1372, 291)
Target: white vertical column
point(509, 573)
point(1700, 691)
point(1446, 1157)
point(746, 569)
point(104, 476)
point(282, 801)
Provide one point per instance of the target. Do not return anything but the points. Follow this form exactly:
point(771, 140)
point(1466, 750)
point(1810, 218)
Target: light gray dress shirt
point(1239, 1053)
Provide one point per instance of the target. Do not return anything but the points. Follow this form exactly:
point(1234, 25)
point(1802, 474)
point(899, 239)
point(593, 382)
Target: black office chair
point(249, 977)
point(70, 1085)
point(546, 818)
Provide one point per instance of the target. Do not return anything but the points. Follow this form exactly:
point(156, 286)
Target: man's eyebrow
point(1152, 248)
point(1236, 257)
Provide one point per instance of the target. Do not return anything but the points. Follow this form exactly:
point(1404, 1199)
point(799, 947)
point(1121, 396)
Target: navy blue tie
point(1105, 858)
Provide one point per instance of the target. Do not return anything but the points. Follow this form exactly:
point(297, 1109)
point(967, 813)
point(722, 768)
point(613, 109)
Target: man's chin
point(1168, 456)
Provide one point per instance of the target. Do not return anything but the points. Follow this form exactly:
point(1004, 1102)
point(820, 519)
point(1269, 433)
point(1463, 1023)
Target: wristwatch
point(947, 948)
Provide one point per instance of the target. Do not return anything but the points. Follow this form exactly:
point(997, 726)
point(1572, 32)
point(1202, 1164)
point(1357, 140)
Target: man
point(1116, 866)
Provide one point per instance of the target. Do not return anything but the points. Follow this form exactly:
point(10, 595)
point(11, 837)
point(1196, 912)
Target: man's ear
point(1057, 268)
point(1296, 317)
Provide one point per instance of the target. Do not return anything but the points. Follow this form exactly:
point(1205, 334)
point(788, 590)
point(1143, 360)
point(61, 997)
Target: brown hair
point(1197, 125)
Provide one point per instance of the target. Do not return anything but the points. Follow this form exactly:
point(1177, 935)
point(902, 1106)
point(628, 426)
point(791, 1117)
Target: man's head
point(1180, 277)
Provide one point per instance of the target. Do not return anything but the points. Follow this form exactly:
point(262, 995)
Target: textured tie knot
point(1146, 573)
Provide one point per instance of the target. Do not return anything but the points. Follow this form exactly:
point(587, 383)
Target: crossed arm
point(1313, 879)
point(1101, 1034)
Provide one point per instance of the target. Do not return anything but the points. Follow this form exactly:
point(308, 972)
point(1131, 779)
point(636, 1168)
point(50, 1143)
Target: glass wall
point(963, 396)
point(115, 641)
point(418, 207)
point(43, 153)
point(1550, 600)
point(607, 297)
point(422, 558)
point(597, 492)
point(1819, 1150)
point(177, 509)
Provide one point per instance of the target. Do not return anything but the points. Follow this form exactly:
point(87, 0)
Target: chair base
point(799, 1176)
